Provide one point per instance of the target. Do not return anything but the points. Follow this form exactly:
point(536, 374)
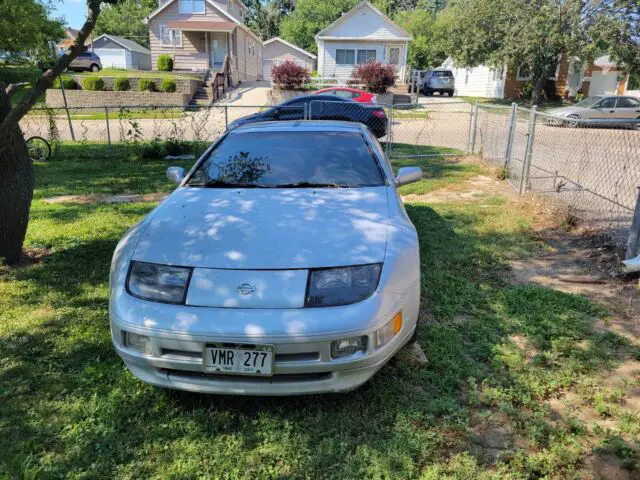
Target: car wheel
point(95, 68)
point(450, 94)
point(636, 125)
point(573, 123)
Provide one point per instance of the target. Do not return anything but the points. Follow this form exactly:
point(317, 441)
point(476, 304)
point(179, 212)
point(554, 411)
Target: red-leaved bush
point(375, 76)
point(289, 75)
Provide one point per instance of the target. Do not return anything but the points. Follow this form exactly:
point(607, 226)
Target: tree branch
point(14, 87)
point(47, 78)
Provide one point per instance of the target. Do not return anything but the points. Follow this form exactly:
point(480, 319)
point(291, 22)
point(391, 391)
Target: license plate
point(257, 360)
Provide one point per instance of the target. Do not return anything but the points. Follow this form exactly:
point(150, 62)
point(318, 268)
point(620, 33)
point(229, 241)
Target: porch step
point(204, 94)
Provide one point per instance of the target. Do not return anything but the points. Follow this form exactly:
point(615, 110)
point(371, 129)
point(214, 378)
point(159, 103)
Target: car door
point(627, 108)
point(604, 109)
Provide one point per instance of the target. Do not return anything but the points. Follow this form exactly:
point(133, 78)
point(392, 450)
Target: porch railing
point(222, 78)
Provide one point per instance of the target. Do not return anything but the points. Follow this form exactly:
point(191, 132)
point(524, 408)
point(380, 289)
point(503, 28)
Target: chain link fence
point(593, 166)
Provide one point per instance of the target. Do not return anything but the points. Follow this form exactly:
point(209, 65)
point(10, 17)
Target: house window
point(345, 57)
point(191, 6)
point(231, 6)
point(366, 56)
point(170, 37)
point(394, 55)
point(523, 73)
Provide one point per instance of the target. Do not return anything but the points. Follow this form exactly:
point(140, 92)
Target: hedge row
point(96, 84)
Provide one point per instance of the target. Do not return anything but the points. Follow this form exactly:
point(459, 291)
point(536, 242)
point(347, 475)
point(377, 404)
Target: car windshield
point(588, 102)
point(285, 159)
point(442, 73)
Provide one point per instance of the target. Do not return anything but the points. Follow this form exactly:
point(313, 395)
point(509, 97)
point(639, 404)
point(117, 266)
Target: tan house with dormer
point(201, 34)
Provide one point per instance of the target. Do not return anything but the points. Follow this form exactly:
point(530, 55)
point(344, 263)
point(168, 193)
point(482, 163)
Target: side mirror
point(176, 174)
point(408, 175)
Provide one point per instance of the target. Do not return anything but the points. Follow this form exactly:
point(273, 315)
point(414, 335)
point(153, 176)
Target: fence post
point(510, 134)
point(634, 232)
point(526, 164)
point(66, 108)
point(226, 117)
point(469, 133)
point(106, 113)
point(387, 145)
point(473, 128)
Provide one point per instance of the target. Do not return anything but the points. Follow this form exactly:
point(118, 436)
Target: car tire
point(636, 125)
point(450, 94)
point(94, 68)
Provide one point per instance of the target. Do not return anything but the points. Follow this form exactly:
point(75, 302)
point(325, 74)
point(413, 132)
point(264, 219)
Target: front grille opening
point(170, 352)
point(277, 378)
point(297, 357)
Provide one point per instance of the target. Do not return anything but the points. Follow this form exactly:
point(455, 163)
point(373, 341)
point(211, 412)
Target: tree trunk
point(538, 87)
point(16, 188)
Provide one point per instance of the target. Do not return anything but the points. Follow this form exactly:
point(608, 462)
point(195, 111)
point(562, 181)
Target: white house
point(361, 35)
point(276, 50)
point(120, 52)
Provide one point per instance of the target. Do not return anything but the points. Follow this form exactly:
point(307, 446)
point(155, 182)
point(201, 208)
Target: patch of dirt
point(100, 198)
point(608, 467)
point(492, 433)
point(474, 188)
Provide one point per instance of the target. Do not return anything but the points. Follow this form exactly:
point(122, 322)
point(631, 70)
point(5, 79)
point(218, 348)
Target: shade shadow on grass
point(68, 403)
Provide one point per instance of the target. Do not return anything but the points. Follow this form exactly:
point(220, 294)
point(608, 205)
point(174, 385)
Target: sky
point(74, 11)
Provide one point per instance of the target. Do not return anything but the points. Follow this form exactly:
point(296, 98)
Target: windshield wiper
point(223, 184)
point(310, 185)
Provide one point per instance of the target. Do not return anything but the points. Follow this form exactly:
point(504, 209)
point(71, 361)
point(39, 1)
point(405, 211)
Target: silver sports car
point(600, 108)
point(284, 263)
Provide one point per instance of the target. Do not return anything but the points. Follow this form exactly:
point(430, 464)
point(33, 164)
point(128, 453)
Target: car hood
point(564, 111)
point(267, 228)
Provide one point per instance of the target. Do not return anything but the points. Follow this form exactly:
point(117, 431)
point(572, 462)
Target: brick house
point(601, 77)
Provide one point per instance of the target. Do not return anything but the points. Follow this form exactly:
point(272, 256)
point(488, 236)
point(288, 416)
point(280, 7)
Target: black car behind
point(322, 107)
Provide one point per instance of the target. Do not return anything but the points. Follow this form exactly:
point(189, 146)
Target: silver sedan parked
point(600, 108)
point(284, 263)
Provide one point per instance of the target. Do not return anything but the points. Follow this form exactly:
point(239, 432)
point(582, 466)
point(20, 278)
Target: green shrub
point(67, 83)
point(121, 84)
point(146, 85)
point(176, 147)
point(168, 85)
point(152, 150)
point(94, 84)
point(165, 63)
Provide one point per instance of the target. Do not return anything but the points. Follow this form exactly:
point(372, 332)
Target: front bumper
point(303, 364)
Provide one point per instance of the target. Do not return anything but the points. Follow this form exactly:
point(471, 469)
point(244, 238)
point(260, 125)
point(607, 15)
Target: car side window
point(607, 103)
point(355, 95)
point(626, 102)
point(343, 94)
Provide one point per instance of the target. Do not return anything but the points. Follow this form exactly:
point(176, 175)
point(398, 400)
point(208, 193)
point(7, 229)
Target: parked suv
point(86, 61)
point(439, 80)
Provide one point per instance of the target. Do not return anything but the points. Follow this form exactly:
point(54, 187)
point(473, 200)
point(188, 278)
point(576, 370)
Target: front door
point(395, 58)
point(219, 48)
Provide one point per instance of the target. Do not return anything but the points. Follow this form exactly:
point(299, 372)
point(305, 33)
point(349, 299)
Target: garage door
point(112, 57)
point(603, 83)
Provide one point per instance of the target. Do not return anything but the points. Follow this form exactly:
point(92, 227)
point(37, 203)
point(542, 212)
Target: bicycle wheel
point(39, 149)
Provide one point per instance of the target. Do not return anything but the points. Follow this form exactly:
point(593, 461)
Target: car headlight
point(158, 283)
point(330, 287)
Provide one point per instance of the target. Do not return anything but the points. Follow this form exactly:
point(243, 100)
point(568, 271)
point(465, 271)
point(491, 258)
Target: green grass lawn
point(69, 408)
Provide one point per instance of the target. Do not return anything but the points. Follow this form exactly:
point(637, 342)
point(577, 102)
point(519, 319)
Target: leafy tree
point(25, 26)
point(125, 20)
point(534, 33)
point(264, 18)
point(425, 50)
point(311, 16)
point(16, 168)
